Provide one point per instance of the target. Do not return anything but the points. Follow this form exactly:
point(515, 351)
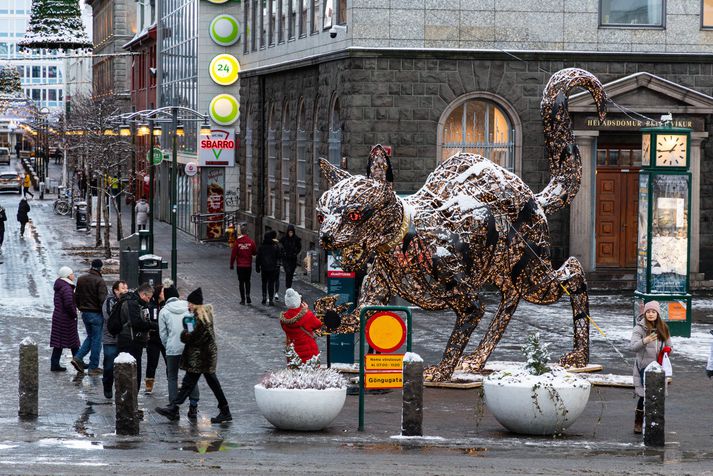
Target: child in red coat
point(299, 324)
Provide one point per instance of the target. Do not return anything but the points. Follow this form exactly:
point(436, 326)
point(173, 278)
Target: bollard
point(126, 395)
point(654, 405)
point(28, 373)
point(412, 416)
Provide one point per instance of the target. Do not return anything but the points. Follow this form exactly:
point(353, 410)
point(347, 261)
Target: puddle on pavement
point(393, 448)
point(72, 444)
point(123, 445)
point(209, 446)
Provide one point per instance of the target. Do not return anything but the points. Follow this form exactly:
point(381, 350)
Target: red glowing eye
point(320, 218)
point(354, 216)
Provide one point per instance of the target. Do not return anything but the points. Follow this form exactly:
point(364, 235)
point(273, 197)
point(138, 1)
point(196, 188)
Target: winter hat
point(196, 297)
point(292, 299)
point(654, 305)
point(97, 264)
point(65, 271)
point(170, 292)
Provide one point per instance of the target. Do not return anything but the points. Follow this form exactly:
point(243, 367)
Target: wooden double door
point(617, 209)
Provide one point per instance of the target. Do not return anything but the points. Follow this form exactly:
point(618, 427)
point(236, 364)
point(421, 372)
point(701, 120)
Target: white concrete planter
point(536, 405)
point(300, 409)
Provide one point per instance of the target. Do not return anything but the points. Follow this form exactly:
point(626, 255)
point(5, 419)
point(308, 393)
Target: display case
point(663, 254)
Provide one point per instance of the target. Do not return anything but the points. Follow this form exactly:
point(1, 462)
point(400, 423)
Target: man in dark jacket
point(3, 219)
point(267, 264)
point(135, 325)
point(111, 350)
point(291, 247)
point(22, 215)
point(90, 295)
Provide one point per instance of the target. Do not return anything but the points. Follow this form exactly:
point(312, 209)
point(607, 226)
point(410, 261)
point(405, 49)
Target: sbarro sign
point(218, 150)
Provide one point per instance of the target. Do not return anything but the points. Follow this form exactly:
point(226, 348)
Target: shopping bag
point(666, 365)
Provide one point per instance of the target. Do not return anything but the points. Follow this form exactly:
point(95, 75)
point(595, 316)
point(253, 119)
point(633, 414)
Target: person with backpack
point(135, 325)
point(267, 264)
point(154, 346)
point(200, 357)
point(170, 327)
point(111, 350)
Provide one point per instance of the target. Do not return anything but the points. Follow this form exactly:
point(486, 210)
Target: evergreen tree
point(537, 355)
point(55, 24)
point(10, 81)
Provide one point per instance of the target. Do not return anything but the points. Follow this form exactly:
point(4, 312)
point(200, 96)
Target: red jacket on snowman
point(299, 324)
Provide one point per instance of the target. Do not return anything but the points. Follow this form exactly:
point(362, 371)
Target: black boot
point(170, 412)
point(223, 416)
point(192, 412)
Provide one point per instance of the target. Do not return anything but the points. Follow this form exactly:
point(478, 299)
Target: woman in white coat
point(650, 339)
point(170, 326)
point(142, 214)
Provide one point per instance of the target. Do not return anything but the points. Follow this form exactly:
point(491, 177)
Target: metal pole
point(174, 204)
point(361, 368)
point(132, 177)
point(151, 191)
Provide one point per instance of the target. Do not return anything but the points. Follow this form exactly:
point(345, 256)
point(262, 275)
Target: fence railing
point(212, 226)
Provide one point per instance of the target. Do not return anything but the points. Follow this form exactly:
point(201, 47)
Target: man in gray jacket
point(170, 326)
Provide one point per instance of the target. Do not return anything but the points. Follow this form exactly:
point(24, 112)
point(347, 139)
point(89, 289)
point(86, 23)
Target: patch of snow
point(28, 341)
point(412, 357)
point(429, 438)
point(558, 376)
point(654, 367)
point(124, 358)
point(442, 252)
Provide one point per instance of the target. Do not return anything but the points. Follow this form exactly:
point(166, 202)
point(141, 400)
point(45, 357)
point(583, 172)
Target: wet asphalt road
point(75, 431)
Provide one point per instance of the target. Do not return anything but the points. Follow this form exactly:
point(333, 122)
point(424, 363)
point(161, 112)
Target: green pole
point(174, 205)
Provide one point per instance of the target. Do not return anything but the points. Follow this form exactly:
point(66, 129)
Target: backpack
point(114, 324)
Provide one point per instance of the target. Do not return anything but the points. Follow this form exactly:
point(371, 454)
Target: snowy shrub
point(536, 354)
point(302, 376)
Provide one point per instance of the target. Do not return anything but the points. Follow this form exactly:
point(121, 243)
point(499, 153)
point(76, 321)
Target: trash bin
point(150, 269)
point(80, 213)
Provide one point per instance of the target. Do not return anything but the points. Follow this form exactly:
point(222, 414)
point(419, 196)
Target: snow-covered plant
point(537, 355)
point(307, 375)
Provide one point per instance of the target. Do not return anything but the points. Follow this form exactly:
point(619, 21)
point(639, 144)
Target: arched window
point(271, 160)
point(249, 144)
point(316, 140)
point(335, 132)
point(285, 163)
point(301, 152)
point(484, 124)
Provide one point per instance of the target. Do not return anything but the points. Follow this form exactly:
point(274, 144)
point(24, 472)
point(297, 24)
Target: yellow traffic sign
point(383, 380)
point(385, 331)
point(384, 362)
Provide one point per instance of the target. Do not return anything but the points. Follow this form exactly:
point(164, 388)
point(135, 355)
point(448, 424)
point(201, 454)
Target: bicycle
point(62, 206)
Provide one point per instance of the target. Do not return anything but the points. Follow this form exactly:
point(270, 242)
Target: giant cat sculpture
point(472, 223)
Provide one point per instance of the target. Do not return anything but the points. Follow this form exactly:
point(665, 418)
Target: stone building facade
point(399, 77)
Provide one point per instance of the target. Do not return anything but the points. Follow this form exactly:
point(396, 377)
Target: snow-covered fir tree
point(55, 24)
point(537, 355)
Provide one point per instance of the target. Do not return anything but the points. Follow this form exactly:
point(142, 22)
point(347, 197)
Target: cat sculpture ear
point(379, 165)
point(332, 173)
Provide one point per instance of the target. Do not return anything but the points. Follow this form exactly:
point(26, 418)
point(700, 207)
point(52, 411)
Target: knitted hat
point(170, 292)
point(97, 264)
point(65, 271)
point(654, 305)
point(196, 297)
point(292, 299)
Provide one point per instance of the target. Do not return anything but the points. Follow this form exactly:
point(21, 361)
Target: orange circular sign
point(385, 331)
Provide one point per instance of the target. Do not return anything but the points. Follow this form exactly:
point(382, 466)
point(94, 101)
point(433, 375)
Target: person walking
point(242, 257)
point(111, 349)
point(135, 325)
point(154, 346)
point(200, 357)
point(291, 247)
point(276, 276)
point(267, 264)
point(26, 184)
point(299, 324)
point(650, 339)
point(64, 318)
point(22, 215)
point(170, 327)
point(91, 294)
point(142, 214)
point(3, 219)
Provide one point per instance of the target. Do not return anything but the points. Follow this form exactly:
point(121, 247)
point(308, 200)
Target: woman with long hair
point(154, 346)
point(200, 357)
point(650, 340)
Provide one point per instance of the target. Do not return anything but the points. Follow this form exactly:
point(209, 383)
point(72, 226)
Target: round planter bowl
point(514, 406)
point(298, 409)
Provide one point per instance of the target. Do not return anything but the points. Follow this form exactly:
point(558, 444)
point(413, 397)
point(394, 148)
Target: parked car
point(10, 181)
point(4, 155)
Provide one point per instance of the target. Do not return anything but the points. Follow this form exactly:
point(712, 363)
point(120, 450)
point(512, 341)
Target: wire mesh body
point(472, 223)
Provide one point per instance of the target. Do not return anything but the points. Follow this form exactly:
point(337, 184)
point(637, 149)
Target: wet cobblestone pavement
point(74, 433)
